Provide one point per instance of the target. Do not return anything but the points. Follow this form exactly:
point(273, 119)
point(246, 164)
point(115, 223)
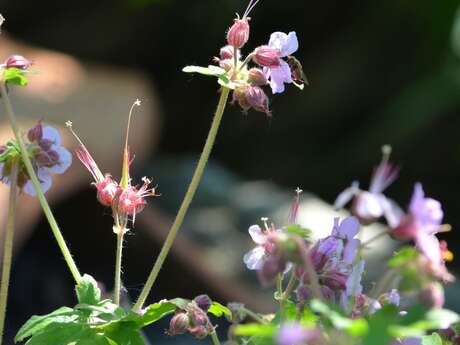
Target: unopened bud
point(336, 280)
point(257, 77)
point(203, 301)
point(239, 95)
point(199, 332)
point(198, 317)
point(238, 34)
point(227, 52)
point(35, 133)
point(303, 294)
point(178, 324)
point(406, 230)
point(226, 64)
point(106, 191)
point(17, 61)
point(130, 201)
point(432, 296)
point(267, 56)
point(257, 99)
point(272, 266)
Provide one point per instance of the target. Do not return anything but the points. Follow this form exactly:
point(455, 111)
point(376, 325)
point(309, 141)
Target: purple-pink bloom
point(370, 205)
point(295, 334)
point(255, 258)
point(280, 74)
point(421, 224)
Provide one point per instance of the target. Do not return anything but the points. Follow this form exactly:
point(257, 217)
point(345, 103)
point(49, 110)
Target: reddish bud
point(238, 34)
point(131, 201)
point(267, 56)
point(257, 99)
point(406, 230)
point(257, 77)
point(198, 317)
point(199, 332)
point(35, 133)
point(203, 301)
point(106, 191)
point(227, 52)
point(17, 61)
point(336, 280)
point(179, 324)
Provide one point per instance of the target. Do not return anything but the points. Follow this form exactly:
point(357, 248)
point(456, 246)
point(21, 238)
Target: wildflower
point(255, 258)
point(421, 224)
point(368, 206)
point(47, 156)
point(125, 199)
point(270, 57)
point(294, 334)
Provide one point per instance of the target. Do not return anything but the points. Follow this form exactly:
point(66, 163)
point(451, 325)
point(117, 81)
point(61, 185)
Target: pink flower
point(275, 68)
point(421, 224)
point(255, 258)
point(368, 206)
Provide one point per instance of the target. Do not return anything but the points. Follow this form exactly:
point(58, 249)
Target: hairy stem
point(117, 285)
point(8, 248)
point(187, 200)
point(33, 177)
point(215, 339)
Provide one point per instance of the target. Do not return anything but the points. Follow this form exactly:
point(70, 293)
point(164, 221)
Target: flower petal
point(392, 212)
point(348, 228)
point(255, 258)
point(279, 76)
point(429, 246)
point(344, 197)
point(65, 160)
point(52, 134)
point(45, 183)
point(256, 234)
point(287, 44)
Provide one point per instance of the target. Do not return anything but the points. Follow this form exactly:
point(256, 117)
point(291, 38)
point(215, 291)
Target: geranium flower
point(275, 68)
point(256, 257)
point(368, 206)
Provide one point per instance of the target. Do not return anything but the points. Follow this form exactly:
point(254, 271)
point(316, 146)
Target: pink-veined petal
point(52, 134)
point(279, 76)
point(65, 160)
point(256, 234)
point(254, 259)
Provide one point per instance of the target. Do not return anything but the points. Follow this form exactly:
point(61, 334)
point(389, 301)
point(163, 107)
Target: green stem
point(279, 289)
point(33, 177)
point(253, 315)
point(376, 237)
point(187, 200)
point(215, 339)
point(290, 286)
point(117, 285)
point(8, 248)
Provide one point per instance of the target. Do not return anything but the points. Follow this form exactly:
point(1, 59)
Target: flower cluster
point(46, 154)
point(124, 198)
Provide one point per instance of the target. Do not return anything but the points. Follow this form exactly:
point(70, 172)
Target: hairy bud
point(179, 324)
point(35, 133)
point(203, 301)
point(257, 77)
point(106, 190)
point(17, 61)
point(267, 56)
point(238, 34)
point(227, 52)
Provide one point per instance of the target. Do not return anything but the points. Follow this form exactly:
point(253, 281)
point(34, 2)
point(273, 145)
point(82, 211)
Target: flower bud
point(198, 317)
point(336, 280)
point(131, 201)
point(226, 64)
point(257, 99)
point(432, 296)
point(199, 332)
point(257, 77)
point(178, 324)
point(106, 191)
point(35, 133)
point(203, 301)
point(239, 95)
point(17, 61)
point(327, 293)
point(267, 56)
point(303, 294)
point(270, 269)
point(238, 34)
point(226, 52)
point(406, 229)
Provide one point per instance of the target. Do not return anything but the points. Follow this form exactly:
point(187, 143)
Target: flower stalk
point(215, 338)
point(117, 284)
point(8, 248)
point(33, 177)
point(187, 200)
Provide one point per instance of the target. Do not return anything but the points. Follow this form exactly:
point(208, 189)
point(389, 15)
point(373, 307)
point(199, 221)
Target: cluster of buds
point(125, 199)
point(271, 68)
point(46, 154)
point(193, 319)
point(17, 61)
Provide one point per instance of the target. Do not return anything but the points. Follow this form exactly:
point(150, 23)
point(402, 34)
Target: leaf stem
point(215, 338)
point(117, 284)
point(187, 199)
point(8, 248)
point(33, 177)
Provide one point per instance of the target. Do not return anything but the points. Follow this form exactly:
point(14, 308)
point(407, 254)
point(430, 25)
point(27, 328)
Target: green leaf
point(123, 333)
point(218, 310)
point(225, 81)
point(38, 323)
point(15, 76)
point(295, 229)
point(209, 71)
point(433, 339)
point(87, 291)
point(405, 255)
point(60, 334)
point(180, 303)
point(379, 322)
point(256, 329)
point(354, 327)
point(153, 313)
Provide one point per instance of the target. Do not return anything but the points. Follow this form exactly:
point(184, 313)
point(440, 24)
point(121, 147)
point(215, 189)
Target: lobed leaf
point(87, 291)
point(218, 310)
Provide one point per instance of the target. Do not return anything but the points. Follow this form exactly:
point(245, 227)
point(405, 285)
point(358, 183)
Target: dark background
point(380, 72)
